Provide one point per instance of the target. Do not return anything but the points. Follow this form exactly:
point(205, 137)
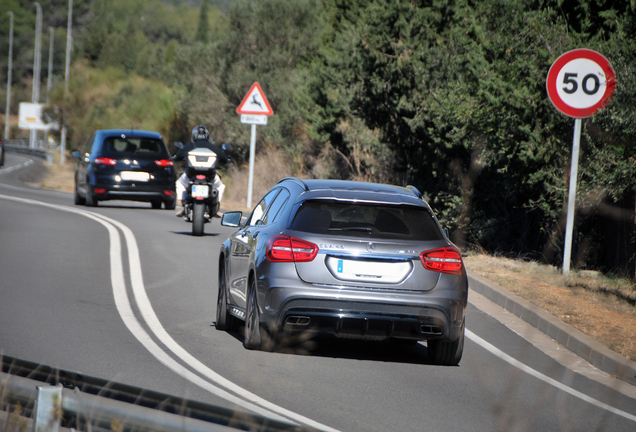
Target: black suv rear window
point(119, 147)
point(366, 220)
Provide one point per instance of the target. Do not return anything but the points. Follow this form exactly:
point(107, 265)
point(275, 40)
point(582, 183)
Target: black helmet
point(200, 133)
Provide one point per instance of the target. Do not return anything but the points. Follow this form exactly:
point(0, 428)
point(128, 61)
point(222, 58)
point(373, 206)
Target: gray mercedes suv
point(353, 259)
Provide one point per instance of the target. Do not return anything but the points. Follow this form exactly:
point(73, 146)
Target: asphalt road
point(125, 293)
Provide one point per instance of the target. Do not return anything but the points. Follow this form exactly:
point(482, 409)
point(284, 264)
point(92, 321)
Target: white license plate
point(135, 176)
point(373, 271)
point(199, 191)
point(370, 269)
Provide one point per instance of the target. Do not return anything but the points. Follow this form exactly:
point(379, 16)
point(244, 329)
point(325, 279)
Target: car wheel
point(91, 201)
point(224, 320)
point(252, 338)
point(447, 353)
point(78, 199)
point(170, 204)
point(155, 204)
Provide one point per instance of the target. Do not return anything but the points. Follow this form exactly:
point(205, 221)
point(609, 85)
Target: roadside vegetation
point(448, 96)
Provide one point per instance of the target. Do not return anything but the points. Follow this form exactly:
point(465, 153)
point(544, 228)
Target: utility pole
point(37, 58)
point(6, 127)
point(69, 43)
point(49, 81)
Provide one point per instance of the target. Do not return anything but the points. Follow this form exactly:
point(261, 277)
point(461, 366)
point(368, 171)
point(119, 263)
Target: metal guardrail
point(56, 397)
point(22, 146)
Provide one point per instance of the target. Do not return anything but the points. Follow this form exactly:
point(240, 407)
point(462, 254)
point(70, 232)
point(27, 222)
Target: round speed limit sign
point(580, 82)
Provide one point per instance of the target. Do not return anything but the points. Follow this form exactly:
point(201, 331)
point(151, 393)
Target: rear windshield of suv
point(366, 220)
point(119, 147)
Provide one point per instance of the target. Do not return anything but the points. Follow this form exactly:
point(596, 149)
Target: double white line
point(214, 381)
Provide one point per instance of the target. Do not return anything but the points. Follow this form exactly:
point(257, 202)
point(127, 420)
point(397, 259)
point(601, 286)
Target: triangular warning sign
point(255, 102)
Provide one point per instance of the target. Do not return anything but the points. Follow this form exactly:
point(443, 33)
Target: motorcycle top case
point(201, 159)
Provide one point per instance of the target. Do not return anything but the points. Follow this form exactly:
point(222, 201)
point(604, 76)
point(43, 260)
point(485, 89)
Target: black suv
point(353, 259)
point(122, 164)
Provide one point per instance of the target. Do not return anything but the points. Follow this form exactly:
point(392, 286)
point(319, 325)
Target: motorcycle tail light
point(282, 248)
point(444, 260)
point(200, 177)
point(105, 161)
point(164, 163)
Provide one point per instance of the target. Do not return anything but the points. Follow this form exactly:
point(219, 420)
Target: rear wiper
point(367, 229)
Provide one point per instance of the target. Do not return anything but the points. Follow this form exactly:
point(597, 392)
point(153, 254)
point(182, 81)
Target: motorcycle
point(202, 200)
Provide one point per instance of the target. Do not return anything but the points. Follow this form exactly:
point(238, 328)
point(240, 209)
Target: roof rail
point(298, 181)
point(415, 191)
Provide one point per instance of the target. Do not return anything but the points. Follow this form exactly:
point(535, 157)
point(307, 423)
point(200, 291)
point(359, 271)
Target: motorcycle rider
point(200, 138)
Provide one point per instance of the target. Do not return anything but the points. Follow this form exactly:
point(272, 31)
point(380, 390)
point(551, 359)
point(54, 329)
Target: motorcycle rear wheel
point(198, 219)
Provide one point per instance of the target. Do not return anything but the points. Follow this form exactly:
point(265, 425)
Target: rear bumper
point(364, 315)
point(155, 192)
point(350, 319)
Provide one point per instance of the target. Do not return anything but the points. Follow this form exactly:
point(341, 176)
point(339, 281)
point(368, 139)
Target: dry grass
point(60, 176)
point(270, 166)
point(598, 306)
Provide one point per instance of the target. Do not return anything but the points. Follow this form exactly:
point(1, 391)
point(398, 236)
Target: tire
point(170, 204)
point(155, 204)
point(224, 320)
point(447, 353)
point(78, 199)
point(198, 219)
point(91, 201)
point(252, 339)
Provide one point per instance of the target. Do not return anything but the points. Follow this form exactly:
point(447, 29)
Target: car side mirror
point(76, 154)
point(178, 144)
point(226, 147)
point(232, 219)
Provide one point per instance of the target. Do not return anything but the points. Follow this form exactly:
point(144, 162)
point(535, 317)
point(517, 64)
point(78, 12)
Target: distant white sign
point(254, 119)
point(30, 117)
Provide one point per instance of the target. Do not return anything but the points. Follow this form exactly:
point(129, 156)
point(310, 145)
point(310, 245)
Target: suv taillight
point(105, 161)
point(282, 248)
point(164, 163)
point(444, 260)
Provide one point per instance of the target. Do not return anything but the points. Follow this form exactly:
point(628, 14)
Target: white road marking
point(15, 167)
point(516, 363)
point(127, 314)
point(254, 403)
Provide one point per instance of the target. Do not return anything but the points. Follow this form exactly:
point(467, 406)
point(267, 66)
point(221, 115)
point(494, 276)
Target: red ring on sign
point(551, 82)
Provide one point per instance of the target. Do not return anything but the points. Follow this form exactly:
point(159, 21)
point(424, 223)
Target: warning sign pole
point(251, 180)
point(254, 110)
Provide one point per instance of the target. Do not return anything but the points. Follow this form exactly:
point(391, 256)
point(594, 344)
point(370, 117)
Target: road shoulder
point(583, 346)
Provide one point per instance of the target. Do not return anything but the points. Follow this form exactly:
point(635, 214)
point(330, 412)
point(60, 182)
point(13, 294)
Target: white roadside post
point(9, 68)
point(69, 43)
point(254, 110)
point(579, 83)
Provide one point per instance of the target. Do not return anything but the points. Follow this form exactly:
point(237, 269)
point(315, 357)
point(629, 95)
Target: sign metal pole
point(579, 83)
point(254, 110)
point(569, 227)
point(251, 176)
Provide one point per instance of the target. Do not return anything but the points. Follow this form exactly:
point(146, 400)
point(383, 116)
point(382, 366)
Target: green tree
point(203, 29)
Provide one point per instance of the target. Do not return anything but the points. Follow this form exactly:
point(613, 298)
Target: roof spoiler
point(415, 191)
point(298, 181)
